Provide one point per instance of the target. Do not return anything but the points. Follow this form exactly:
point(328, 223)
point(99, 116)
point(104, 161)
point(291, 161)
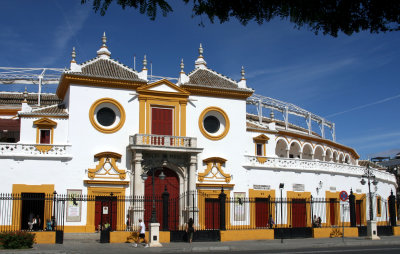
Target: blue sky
point(353, 81)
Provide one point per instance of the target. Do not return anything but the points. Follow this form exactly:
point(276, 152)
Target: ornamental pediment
point(107, 167)
point(214, 172)
point(163, 86)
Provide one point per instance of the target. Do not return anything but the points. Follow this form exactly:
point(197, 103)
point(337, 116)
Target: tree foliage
point(326, 16)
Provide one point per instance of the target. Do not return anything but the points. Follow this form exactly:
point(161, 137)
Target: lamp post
point(281, 186)
point(370, 176)
point(153, 218)
point(371, 225)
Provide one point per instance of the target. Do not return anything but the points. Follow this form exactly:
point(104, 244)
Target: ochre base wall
point(78, 229)
point(239, 235)
point(130, 237)
point(334, 232)
point(45, 237)
point(396, 230)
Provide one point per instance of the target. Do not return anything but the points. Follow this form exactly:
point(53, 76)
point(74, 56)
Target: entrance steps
point(82, 236)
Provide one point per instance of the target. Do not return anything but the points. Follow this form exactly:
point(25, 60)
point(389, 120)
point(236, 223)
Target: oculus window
point(107, 115)
point(214, 123)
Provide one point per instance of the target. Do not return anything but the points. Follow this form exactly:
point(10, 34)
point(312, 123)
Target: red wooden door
point(332, 211)
point(299, 213)
point(212, 213)
point(262, 212)
point(106, 211)
point(358, 212)
point(171, 182)
point(161, 121)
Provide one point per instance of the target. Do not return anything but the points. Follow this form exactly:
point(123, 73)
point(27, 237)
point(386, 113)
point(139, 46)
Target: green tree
point(326, 16)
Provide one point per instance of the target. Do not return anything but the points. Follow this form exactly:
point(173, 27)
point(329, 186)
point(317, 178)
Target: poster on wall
point(240, 212)
point(73, 206)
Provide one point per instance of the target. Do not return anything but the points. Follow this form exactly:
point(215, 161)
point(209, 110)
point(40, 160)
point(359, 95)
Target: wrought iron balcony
point(163, 142)
point(20, 150)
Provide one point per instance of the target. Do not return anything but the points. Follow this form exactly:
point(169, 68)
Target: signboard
point(343, 196)
point(261, 187)
point(105, 209)
point(74, 206)
point(240, 209)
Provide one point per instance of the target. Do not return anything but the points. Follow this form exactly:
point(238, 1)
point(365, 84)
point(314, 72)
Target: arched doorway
point(171, 184)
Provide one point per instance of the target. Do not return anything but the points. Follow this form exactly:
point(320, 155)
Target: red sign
point(343, 195)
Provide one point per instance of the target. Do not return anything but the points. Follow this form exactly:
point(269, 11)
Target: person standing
point(142, 231)
point(190, 229)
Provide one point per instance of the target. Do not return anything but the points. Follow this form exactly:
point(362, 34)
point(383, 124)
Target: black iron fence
point(210, 211)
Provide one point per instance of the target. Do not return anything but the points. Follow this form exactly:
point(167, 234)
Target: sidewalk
point(90, 246)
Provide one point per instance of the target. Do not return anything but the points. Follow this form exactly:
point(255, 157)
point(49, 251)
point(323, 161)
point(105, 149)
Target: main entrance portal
point(171, 185)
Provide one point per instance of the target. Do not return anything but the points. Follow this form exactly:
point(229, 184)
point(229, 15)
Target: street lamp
point(281, 185)
point(370, 176)
point(153, 218)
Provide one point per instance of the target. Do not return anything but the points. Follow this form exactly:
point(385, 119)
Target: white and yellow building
point(110, 123)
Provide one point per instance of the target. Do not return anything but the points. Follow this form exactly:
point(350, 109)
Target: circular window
point(214, 123)
point(107, 115)
point(211, 124)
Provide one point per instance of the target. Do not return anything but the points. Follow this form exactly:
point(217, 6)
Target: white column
point(138, 185)
point(192, 177)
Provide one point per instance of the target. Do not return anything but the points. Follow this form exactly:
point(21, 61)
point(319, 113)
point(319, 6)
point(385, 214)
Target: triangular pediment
point(261, 139)
point(45, 122)
point(163, 86)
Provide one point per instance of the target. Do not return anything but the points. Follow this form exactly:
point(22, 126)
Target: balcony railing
point(314, 166)
point(162, 141)
point(34, 150)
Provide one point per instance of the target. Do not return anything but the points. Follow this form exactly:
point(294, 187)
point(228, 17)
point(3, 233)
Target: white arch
point(319, 153)
point(328, 154)
point(347, 159)
point(341, 157)
point(307, 152)
point(335, 156)
point(281, 148)
point(295, 149)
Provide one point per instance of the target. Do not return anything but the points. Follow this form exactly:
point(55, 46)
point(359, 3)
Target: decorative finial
point(182, 66)
point(144, 63)
point(104, 39)
point(272, 115)
point(25, 96)
point(201, 51)
point(73, 54)
point(242, 72)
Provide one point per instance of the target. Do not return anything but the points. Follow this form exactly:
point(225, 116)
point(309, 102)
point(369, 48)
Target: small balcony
point(21, 151)
point(163, 143)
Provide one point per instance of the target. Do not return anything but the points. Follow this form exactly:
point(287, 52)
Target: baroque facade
point(107, 125)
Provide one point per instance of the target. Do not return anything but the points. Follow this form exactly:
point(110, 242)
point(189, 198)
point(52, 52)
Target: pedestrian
point(190, 229)
point(128, 223)
point(271, 221)
point(319, 222)
point(142, 231)
point(315, 222)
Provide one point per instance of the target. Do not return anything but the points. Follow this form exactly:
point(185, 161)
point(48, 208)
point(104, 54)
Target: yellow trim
point(299, 195)
point(246, 235)
point(67, 79)
point(105, 191)
point(335, 232)
point(43, 148)
point(101, 128)
point(106, 182)
point(104, 158)
point(151, 98)
point(212, 162)
point(362, 197)
point(378, 207)
point(214, 185)
point(328, 196)
point(201, 202)
point(45, 237)
point(253, 194)
point(215, 92)
point(44, 124)
point(18, 189)
point(261, 160)
point(204, 132)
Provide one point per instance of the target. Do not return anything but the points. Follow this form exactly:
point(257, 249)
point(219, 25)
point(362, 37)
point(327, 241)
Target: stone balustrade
point(314, 166)
point(162, 141)
point(34, 150)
